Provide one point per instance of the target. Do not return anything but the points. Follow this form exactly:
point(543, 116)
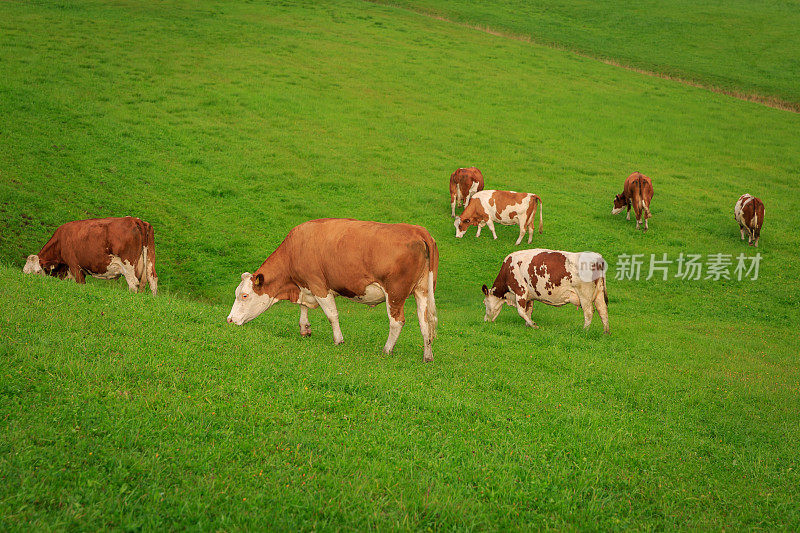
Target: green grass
point(224, 125)
point(750, 47)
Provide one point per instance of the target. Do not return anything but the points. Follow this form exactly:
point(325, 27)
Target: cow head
point(251, 299)
point(32, 266)
point(619, 203)
point(492, 303)
point(462, 226)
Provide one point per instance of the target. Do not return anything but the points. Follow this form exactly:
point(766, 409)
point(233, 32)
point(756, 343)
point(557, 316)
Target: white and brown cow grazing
point(749, 213)
point(637, 192)
point(367, 262)
point(464, 183)
point(552, 277)
point(504, 207)
point(104, 248)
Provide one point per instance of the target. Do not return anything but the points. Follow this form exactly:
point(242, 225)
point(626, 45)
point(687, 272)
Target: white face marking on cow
point(456, 223)
point(32, 265)
point(248, 304)
point(493, 305)
point(616, 210)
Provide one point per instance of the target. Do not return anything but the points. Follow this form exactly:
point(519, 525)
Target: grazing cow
point(367, 262)
point(552, 277)
point(749, 213)
point(505, 207)
point(638, 191)
point(464, 182)
point(105, 248)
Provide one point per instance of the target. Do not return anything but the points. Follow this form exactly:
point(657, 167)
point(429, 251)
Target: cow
point(464, 183)
point(505, 207)
point(749, 213)
point(553, 277)
point(105, 248)
point(637, 192)
point(367, 262)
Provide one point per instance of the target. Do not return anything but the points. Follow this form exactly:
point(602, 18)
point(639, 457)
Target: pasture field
point(226, 124)
point(742, 46)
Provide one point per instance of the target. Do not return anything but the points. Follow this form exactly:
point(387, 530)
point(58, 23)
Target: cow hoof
point(534, 325)
point(427, 359)
point(305, 333)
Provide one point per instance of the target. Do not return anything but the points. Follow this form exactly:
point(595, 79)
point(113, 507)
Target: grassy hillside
point(226, 125)
point(741, 46)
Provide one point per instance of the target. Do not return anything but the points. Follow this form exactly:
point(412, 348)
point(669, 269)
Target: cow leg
point(153, 285)
point(480, 227)
point(530, 230)
point(130, 277)
point(521, 231)
point(588, 311)
point(741, 231)
point(452, 205)
point(77, 274)
point(638, 213)
point(602, 308)
point(329, 308)
point(152, 279)
point(524, 309)
point(629, 212)
point(490, 225)
point(305, 325)
point(421, 297)
point(396, 321)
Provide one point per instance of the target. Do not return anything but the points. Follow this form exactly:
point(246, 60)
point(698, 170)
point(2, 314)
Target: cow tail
point(143, 279)
point(605, 290)
point(642, 203)
point(541, 221)
point(141, 225)
point(433, 272)
point(150, 265)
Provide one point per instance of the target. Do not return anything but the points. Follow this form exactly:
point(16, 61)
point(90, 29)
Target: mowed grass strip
point(226, 125)
point(742, 47)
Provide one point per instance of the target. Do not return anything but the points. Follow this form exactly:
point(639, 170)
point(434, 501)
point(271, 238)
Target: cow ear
point(258, 280)
point(485, 290)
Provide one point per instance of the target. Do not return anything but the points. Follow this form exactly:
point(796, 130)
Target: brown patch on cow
point(473, 214)
point(503, 199)
point(753, 208)
point(550, 266)
point(506, 281)
point(462, 180)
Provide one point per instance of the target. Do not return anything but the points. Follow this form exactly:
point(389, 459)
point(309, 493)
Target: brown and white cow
point(104, 248)
point(464, 183)
point(504, 207)
point(749, 213)
point(637, 192)
point(552, 277)
point(367, 262)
